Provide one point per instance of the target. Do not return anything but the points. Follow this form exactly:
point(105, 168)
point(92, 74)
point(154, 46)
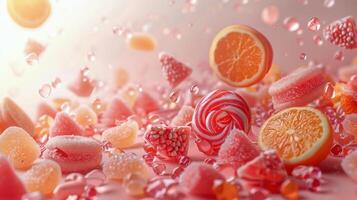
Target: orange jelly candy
point(142, 42)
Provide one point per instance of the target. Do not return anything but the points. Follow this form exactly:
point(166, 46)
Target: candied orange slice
point(300, 135)
point(240, 55)
point(29, 13)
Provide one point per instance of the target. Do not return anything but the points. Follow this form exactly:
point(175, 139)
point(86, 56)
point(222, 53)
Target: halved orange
point(29, 13)
point(300, 135)
point(240, 55)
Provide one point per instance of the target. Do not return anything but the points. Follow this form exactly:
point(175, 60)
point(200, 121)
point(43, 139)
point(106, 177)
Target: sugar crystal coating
point(122, 136)
point(65, 125)
point(342, 32)
point(20, 148)
point(183, 117)
point(85, 116)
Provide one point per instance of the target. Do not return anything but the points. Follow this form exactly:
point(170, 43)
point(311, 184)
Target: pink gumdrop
point(198, 179)
point(117, 111)
point(145, 104)
point(83, 86)
point(65, 125)
point(11, 187)
point(66, 189)
point(183, 117)
point(44, 108)
point(74, 153)
point(237, 150)
point(349, 165)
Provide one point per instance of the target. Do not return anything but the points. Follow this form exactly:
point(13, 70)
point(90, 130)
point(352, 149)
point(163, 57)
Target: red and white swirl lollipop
point(217, 114)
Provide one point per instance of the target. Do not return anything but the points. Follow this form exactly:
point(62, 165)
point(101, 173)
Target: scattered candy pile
point(260, 135)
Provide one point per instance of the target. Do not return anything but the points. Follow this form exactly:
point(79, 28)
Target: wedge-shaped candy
point(85, 116)
point(83, 86)
point(44, 108)
point(183, 117)
point(117, 111)
point(65, 125)
point(122, 136)
point(20, 148)
point(144, 104)
point(74, 153)
point(11, 187)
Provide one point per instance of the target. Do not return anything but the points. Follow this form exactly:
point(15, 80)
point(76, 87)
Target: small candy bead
point(95, 178)
point(122, 136)
point(43, 177)
point(289, 189)
point(20, 148)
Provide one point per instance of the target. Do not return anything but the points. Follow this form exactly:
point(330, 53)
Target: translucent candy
point(45, 91)
point(349, 165)
point(135, 184)
point(65, 125)
point(11, 186)
point(198, 179)
point(291, 24)
point(119, 165)
point(82, 86)
point(225, 190)
point(120, 77)
point(303, 172)
point(43, 177)
point(317, 40)
point(314, 24)
point(19, 147)
point(64, 190)
point(339, 56)
point(141, 42)
point(85, 116)
point(95, 178)
point(270, 15)
point(122, 136)
point(289, 189)
point(329, 3)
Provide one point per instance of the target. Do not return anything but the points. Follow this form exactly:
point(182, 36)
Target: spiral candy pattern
point(217, 114)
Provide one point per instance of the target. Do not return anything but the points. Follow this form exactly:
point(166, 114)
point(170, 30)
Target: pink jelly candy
point(173, 70)
point(183, 117)
point(74, 153)
point(237, 150)
point(170, 142)
point(117, 111)
point(349, 165)
point(342, 32)
point(65, 125)
point(267, 169)
point(145, 104)
point(11, 187)
point(83, 86)
point(44, 108)
point(198, 179)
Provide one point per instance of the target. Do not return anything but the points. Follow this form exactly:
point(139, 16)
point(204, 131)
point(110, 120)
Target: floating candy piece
point(130, 94)
point(122, 136)
point(144, 104)
point(11, 186)
point(74, 153)
point(300, 135)
point(298, 88)
point(44, 108)
point(13, 115)
point(173, 70)
point(43, 177)
point(30, 13)
point(85, 116)
point(169, 142)
point(20, 148)
point(34, 48)
point(183, 117)
point(118, 166)
point(349, 165)
point(198, 179)
point(270, 15)
point(350, 124)
point(289, 189)
point(120, 77)
point(116, 111)
point(217, 114)
point(65, 125)
point(141, 42)
point(83, 86)
point(245, 61)
point(342, 33)
point(267, 169)
point(237, 150)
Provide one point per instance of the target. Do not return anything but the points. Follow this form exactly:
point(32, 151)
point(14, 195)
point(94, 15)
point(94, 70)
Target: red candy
point(10, 185)
point(117, 111)
point(170, 142)
point(83, 86)
point(217, 114)
point(198, 179)
point(237, 150)
point(174, 71)
point(342, 33)
point(183, 117)
point(65, 125)
point(44, 108)
point(145, 104)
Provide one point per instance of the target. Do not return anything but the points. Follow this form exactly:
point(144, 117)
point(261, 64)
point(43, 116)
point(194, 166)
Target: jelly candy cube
point(122, 136)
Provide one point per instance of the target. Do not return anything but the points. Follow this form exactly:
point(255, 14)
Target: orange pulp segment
point(300, 135)
point(240, 55)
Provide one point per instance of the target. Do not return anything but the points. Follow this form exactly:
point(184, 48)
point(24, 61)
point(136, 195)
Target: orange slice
point(29, 13)
point(240, 55)
point(300, 135)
